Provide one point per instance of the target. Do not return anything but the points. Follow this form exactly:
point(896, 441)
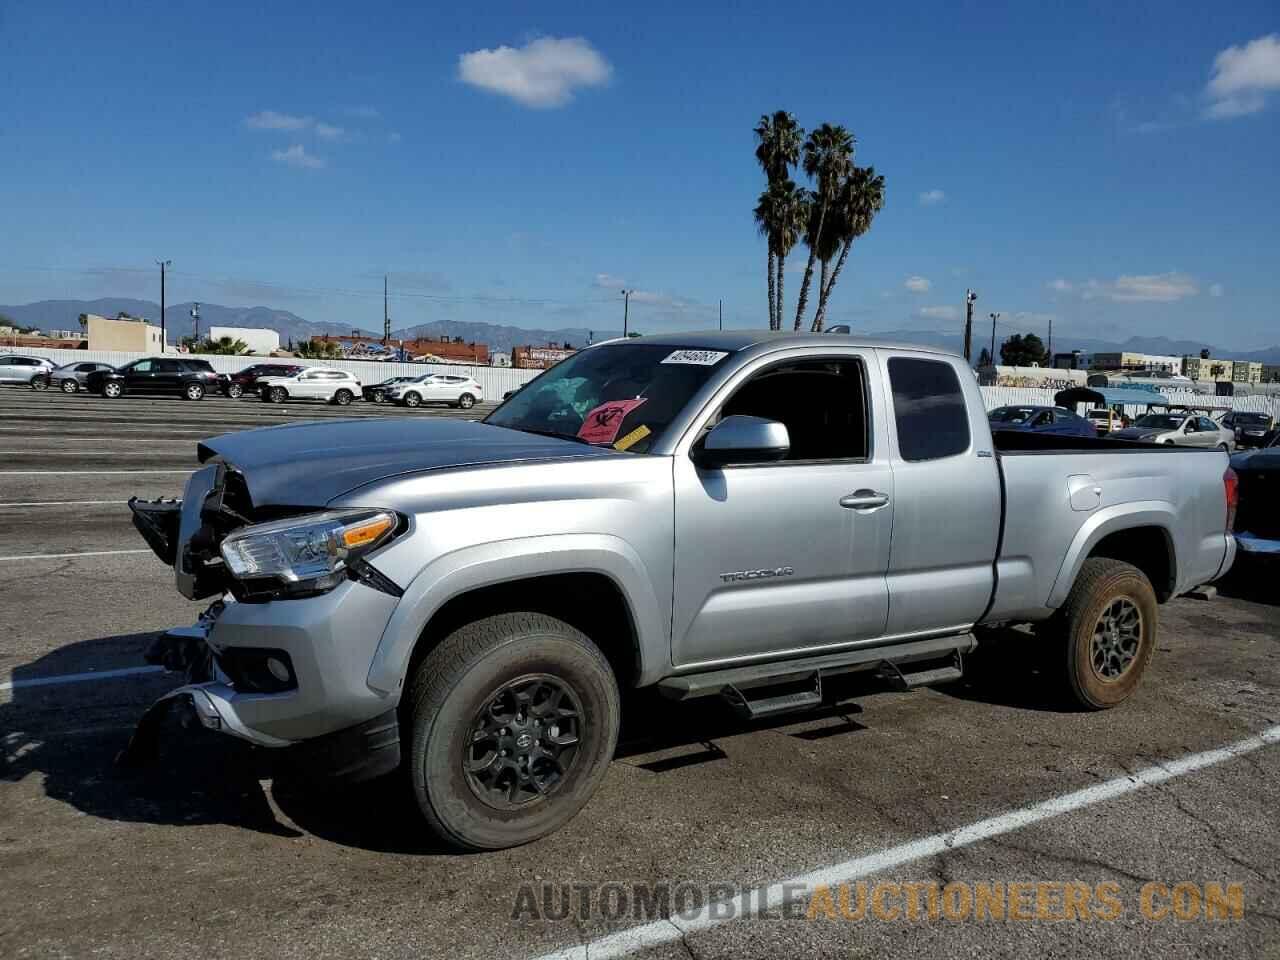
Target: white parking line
point(78, 677)
point(62, 503)
point(80, 473)
point(714, 914)
point(68, 556)
point(60, 438)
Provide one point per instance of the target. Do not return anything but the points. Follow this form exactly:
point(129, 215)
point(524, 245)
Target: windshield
point(622, 395)
point(1011, 414)
point(1160, 421)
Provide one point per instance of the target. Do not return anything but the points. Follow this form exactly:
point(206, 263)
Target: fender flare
point(1103, 523)
point(490, 564)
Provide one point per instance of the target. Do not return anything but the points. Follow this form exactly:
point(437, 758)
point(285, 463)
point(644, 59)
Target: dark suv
point(169, 376)
point(246, 380)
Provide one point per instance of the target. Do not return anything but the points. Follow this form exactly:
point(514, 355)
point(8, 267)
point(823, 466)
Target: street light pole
point(195, 323)
point(970, 298)
point(164, 265)
point(992, 354)
point(626, 307)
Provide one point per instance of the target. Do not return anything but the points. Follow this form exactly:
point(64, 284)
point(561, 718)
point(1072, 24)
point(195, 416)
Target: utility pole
point(164, 265)
point(386, 317)
point(195, 323)
point(994, 317)
point(626, 306)
point(721, 314)
point(970, 298)
point(1049, 349)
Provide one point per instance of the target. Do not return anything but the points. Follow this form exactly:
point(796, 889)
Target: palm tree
point(778, 140)
point(223, 346)
point(828, 157)
point(860, 198)
point(791, 204)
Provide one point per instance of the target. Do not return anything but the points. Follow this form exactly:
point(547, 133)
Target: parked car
point(1183, 429)
point(377, 392)
point(69, 377)
point(1106, 420)
point(1250, 429)
point(456, 391)
point(1034, 419)
point(731, 515)
point(182, 377)
point(16, 369)
point(1257, 518)
point(236, 385)
point(311, 383)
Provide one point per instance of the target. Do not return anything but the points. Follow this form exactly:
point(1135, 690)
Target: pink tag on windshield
point(601, 424)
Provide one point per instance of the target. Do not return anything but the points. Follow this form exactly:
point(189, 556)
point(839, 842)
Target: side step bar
point(805, 673)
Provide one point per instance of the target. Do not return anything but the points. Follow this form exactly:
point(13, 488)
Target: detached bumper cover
point(1250, 543)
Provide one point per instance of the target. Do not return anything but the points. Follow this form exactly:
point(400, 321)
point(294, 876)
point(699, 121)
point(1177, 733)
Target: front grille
point(1258, 513)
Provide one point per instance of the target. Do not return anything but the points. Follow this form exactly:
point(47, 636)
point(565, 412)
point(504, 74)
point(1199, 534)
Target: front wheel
point(112, 391)
point(510, 724)
point(466, 401)
point(235, 391)
point(342, 397)
point(1224, 448)
point(278, 394)
point(412, 399)
point(70, 386)
point(1106, 632)
point(193, 391)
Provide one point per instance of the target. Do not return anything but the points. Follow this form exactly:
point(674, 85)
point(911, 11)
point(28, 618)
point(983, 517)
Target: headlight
point(307, 554)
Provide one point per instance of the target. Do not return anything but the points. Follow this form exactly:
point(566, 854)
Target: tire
point(466, 401)
point(235, 391)
point(412, 399)
point(41, 382)
point(112, 390)
point(69, 386)
point(193, 391)
point(342, 397)
point(1224, 448)
point(377, 396)
point(1098, 676)
point(449, 698)
point(277, 394)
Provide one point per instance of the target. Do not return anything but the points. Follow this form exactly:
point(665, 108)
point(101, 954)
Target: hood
point(309, 464)
point(1137, 433)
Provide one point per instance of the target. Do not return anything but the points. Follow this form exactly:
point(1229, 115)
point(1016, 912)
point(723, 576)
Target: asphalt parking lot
point(210, 853)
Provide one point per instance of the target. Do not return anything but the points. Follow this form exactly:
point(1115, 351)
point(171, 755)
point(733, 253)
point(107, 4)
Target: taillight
point(1231, 485)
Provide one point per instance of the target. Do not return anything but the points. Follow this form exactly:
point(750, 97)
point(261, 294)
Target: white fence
point(1004, 396)
point(495, 381)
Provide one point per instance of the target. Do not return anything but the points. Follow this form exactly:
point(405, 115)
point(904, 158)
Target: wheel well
point(1147, 548)
point(591, 602)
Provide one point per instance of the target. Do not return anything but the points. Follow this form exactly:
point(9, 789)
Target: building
point(539, 358)
point(1136, 361)
point(1246, 371)
point(135, 336)
point(1075, 360)
point(1271, 373)
point(444, 350)
point(261, 341)
point(499, 358)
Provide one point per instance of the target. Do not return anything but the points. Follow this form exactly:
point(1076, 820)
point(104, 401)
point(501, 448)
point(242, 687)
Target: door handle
point(865, 500)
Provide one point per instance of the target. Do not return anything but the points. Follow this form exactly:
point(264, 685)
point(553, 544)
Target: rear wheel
point(342, 397)
point(466, 401)
point(193, 391)
point(235, 391)
point(40, 382)
point(112, 390)
point(510, 724)
point(1105, 632)
point(412, 399)
point(70, 386)
point(278, 394)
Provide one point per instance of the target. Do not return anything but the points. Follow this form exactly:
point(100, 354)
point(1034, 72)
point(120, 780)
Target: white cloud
point(917, 284)
point(271, 120)
point(1242, 77)
point(931, 198)
point(1215, 289)
point(1158, 287)
point(1061, 286)
point(543, 73)
point(608, 281)
point(297, 156)
point(327, 131)
point(940, 313)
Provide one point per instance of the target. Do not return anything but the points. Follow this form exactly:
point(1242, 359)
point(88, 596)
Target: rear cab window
point(929, 409)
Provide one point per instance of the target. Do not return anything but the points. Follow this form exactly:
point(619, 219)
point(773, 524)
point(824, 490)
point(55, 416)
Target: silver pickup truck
point(736, 515)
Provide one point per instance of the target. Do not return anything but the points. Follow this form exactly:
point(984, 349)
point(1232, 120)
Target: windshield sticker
point(602, 423)
point(632, 438)
point(699, 358)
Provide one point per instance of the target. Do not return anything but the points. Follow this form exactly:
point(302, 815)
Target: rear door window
point(929, 409)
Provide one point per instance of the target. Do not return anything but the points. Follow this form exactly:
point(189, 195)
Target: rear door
point(768, 559)
point(168, 376)
point(946, 516)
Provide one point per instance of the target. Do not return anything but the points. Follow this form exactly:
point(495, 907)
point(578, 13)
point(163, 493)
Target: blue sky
point(1111, 165)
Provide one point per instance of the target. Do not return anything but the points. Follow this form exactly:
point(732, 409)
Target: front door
point(140, 377)
point(768, 560)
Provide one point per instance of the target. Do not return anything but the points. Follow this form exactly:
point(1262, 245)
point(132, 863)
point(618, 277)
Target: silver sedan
point(1183, 429)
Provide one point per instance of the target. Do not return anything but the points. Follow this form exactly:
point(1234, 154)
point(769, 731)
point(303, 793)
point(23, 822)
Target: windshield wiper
point(553, 433)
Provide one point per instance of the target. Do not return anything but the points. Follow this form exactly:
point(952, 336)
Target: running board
point(756, 702)
point(904, 680)
point(798, 671)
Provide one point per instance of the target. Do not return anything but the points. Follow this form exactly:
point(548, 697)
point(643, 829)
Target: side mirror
point(743, 439)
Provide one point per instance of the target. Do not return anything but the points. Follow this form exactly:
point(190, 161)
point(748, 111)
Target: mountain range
point(64, 314)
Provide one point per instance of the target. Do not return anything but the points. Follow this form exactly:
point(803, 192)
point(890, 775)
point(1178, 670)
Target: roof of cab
point(735, 340)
